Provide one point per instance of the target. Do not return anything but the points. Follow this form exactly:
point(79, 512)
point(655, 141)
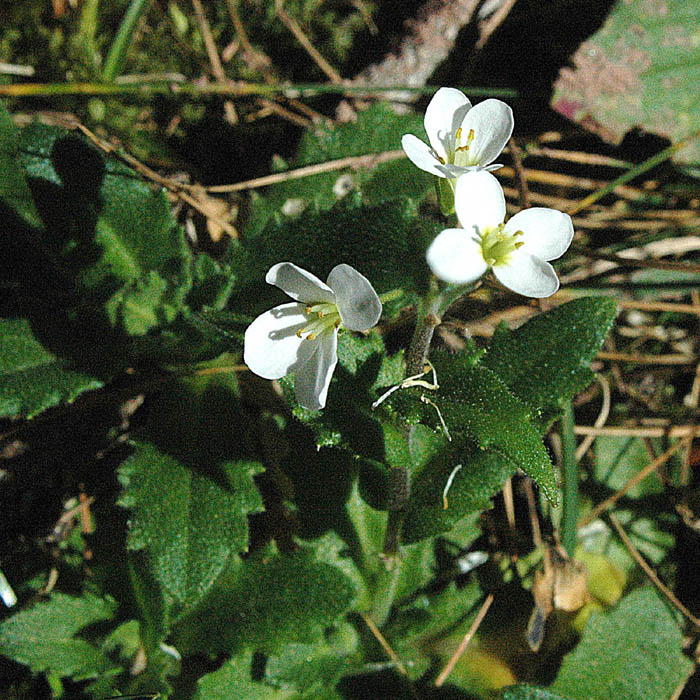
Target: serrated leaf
point(108, 236)
point(527, 692)
point(476, 404)
point(633, 652)
point(190, 523)
point(270, 600)
point(637, 70)
point(190, 487)
point(33, 379)
point(546, 360)
point(43, 637)
point(234, 680)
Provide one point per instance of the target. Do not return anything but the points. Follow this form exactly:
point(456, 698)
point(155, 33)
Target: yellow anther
point(458, 135)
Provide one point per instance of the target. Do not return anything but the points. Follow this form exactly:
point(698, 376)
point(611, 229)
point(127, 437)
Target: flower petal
point(443, 116)
point(547, 233)
point(479, 201)
point(455, 256)
point(272, 347)
point(299, 284)
point(358, 303)
point(314, 376)
point(527, 275)
point(421, 155)
point(492, 122)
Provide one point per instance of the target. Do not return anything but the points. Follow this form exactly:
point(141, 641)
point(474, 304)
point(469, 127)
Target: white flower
point(462, 137)
point(302, 336)
point(516, 250)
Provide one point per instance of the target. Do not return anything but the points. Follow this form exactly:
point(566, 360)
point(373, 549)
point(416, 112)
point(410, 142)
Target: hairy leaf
point(546, 360)
point(32, 378)
point(234, 680)
point(44, 636)
point(633, 652)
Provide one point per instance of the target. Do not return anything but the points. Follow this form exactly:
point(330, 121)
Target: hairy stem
point(569, 481)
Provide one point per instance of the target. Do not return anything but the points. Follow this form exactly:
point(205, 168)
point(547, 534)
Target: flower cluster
point(301, 337)
point(464, 140)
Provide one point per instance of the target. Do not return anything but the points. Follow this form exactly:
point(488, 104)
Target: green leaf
point(633, 652)
point(190, 487)
point(481, 476)
point(270, 600)
point(527, 692)
point(43, 637)
point(386, 243)
point(32, 379)
point(14, 191)
point(189, 522)
point(377, 129)
point(546, 361)
point(646, 77)
point(313, 668)
point(234, 680)
point(476, 403)
point(108, 238)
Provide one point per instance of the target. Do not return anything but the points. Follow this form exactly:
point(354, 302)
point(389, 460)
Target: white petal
point(455, 256)
point(358, 303)
point(299, 284)
point(547, 233)
point(314, 376)
point(492, 122)
point(527, 275)
point(421, 155)
point(443, 116)
point(272, 347)
point(479, 201)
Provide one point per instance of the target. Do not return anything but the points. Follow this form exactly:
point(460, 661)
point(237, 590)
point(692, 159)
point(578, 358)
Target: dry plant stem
point(465, 642)
point(639, 431)
point(631, 262)
point(149, 174)
point(509, 504)
point(639, 476)
point(532, 512)
point(367, 161)
point(599, 421)
point(213, 54)
point(520, 176)
point(494, 22)
point(639, 359)
point(384, 644)
point(295, 29)
point(651, 574)
point(632, 173)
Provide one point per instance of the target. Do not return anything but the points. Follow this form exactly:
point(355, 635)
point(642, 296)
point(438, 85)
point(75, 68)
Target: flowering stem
point(384, 593)
point(569, 481)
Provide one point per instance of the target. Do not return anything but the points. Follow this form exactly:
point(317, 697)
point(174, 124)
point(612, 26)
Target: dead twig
point(639, 476)
point(367, 161)
point(214, 58)
point(465, 642)
point(295, 29)
point(651, 574)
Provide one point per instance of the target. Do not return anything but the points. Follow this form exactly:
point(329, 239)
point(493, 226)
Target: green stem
point(569, 516)
point(384, 593)
point(149, 88)
point(117, 51)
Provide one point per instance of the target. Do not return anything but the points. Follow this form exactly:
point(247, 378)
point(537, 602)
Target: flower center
point(462, 156)
point(497, 245)
point(325, 317)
